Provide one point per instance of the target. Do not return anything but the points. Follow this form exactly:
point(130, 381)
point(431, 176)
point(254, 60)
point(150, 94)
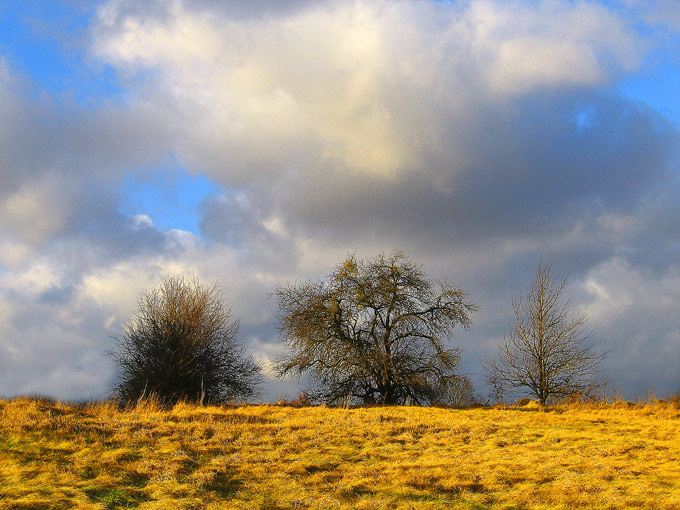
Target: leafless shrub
point(180, 345)
point(457, 390)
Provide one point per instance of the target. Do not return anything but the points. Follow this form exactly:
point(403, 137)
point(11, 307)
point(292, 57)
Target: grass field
point(56, 455)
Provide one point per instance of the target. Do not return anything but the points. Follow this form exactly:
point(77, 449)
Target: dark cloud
point(56, 295)
point(532, 172)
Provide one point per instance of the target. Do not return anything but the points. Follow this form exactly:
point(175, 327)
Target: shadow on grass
point(235, 418)
point(223, 486)
point(116, 497)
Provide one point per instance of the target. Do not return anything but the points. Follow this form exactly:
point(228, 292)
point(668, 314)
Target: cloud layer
point(480, 137)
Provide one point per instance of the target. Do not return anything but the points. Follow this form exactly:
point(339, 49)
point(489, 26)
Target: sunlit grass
point(55, 455)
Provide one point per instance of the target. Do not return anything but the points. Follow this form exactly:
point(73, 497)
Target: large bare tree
point(373, 331)
point(181, 345)
point(546, 349)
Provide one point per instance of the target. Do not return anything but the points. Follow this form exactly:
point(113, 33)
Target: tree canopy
point(373, 331)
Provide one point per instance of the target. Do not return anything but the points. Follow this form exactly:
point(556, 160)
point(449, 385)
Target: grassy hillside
point(63, 456)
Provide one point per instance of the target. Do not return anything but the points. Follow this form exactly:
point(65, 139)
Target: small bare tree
point(180, 345)
point(546, 349)
point(456, 390)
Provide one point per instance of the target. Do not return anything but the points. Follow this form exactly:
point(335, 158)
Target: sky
point(258, 143)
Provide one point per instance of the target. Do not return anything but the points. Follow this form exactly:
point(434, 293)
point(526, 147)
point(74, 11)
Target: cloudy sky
point(257, 143)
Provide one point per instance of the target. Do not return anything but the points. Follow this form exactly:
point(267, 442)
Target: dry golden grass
point(56, 455)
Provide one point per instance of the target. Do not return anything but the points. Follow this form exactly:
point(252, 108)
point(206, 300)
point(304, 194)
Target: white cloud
point(552, 44)
point(357, 83)
point(35, 212)
point(13, 254)
point(622, 293)
point(141, 221)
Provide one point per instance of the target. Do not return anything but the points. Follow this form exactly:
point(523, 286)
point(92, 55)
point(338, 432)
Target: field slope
point(56, 455)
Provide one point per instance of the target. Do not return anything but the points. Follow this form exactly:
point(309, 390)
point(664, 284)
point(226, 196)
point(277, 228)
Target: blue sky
point(47, 43)
point(168, 195)
point(265, 141)
point(658, 88)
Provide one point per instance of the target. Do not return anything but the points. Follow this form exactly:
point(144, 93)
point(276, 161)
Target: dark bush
point(180, 346)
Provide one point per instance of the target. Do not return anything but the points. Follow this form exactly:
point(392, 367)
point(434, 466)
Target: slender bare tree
point(373, 332)
point(180, 345)
point(456, 390)
point(546, 349)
